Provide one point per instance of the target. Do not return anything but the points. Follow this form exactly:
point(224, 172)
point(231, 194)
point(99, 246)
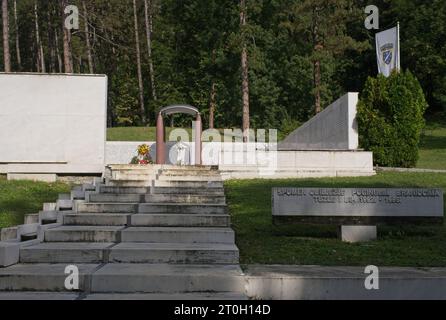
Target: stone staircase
point(146, 230)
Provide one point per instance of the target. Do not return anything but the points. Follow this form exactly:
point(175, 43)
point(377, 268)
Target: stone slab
point(358, 233)
point(9, 253)
point(368, 204)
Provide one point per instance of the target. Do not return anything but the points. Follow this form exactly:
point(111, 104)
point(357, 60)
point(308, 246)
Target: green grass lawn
point(261, 242)
point(433, 146)
point(18, 198)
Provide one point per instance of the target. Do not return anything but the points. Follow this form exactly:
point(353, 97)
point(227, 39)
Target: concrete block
point(31, 218)
point(9, 253)
point(49, 206)
point(358, 233)
point(9, 234)
point(33, 177)
point(65, 204)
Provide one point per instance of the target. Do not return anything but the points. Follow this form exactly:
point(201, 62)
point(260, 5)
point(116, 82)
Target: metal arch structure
point(160, 139)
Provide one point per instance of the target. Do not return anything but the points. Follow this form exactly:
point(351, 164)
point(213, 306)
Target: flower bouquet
point(143, 156)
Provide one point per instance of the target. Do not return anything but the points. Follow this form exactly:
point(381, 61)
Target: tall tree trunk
point(213, 95)
point(87, 39)
point(40, 55)
point(67, 57)
point(17, 40)
point(245, 72)
point(6, 53)
point(148, 5)
point(59, 56)
point(138, 65)
point(212, 105)
point(51, 45)
point(316, 62)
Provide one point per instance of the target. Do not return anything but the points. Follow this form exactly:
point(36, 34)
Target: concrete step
point(178, 235)
point(133, 176)
point(185, 208)
point(164, 177)
point(83, 234)
point(38, 296)
point(185, 198)
point(180, 220)
point(64, 252)
point(64, 296)
point(107, 207)
point(182, 190)
point(177, 253)
point(228, 296)
point(188, 184)
point(191, 172)
point(91, 219)
point(116, 198)
point(125, 190)
point(165, 278)
point(128, 183)
point(41, 277)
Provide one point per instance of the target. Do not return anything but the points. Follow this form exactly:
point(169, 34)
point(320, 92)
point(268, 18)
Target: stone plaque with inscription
point(357, 205)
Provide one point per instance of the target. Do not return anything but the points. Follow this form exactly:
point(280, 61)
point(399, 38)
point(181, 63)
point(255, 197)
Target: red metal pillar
point(198, 131)
point(160, 144)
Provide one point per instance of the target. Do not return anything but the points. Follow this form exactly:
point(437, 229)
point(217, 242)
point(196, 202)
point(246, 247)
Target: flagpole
point(399, 54)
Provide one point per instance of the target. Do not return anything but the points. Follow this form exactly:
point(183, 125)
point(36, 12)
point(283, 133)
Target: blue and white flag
point(388, 50)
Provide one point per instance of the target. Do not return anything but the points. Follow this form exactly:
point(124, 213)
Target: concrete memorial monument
point(355, 208)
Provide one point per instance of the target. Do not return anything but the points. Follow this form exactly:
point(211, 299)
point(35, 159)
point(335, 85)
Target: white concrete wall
point(246, 163)
point(52, 123)
point(335, 128)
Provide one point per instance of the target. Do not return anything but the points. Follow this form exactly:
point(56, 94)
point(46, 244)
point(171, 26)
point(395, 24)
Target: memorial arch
point(160, 131)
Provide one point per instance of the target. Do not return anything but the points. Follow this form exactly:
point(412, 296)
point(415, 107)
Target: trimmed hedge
point(391, 118)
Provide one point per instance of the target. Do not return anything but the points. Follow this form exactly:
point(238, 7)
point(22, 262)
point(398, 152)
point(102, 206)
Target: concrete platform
point(288, 282)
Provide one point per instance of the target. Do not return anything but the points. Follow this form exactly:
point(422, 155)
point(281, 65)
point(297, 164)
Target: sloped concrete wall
point(335, 128)
point(52, 123)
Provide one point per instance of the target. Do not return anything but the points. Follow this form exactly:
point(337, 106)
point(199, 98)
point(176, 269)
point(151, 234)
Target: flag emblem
point(387, 53)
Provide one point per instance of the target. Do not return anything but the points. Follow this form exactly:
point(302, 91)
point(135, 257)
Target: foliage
point(196, 44)
point(390, 119)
